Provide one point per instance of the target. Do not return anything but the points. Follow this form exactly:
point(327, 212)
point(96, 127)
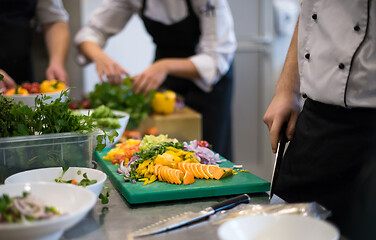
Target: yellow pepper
point(17, 90)
point(48, 86)
point(163, 102)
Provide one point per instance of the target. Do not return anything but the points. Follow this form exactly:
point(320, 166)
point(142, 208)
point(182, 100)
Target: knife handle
point(232, 202)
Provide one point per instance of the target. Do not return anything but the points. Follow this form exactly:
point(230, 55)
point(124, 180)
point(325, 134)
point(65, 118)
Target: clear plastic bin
point(22, 153)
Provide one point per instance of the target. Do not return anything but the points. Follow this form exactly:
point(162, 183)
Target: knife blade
point(190, 217)
point(278, 159)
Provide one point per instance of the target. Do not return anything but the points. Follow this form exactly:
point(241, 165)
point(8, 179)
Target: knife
point(278, 159)
point(190, 217)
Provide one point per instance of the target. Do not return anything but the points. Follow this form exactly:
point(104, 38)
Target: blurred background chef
point(16, 17)
point(195, 45)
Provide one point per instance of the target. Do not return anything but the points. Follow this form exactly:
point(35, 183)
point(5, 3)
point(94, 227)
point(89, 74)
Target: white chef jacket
point(50, 11)
point(217, 43)
point(337, 52)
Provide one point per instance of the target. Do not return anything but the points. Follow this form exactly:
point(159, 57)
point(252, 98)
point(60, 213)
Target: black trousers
point(328, 159)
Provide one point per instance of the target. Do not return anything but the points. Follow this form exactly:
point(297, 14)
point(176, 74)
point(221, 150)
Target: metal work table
point(117, 219)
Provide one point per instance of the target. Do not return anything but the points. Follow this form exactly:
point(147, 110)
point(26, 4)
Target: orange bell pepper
point(17, 90)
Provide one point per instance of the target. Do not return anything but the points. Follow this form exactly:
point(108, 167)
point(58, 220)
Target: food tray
point(243, 182)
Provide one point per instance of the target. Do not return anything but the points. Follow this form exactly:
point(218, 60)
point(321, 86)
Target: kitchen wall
point(258, 62)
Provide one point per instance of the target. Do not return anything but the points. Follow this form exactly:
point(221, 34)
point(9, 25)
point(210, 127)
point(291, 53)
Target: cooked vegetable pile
point(121, 97)
point(166, 160)
point(25, 208)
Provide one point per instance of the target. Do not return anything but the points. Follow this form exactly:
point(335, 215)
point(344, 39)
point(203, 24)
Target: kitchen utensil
point(190, 217)
point(278, 159)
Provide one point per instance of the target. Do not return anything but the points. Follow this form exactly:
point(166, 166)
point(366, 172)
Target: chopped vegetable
point(25, 208)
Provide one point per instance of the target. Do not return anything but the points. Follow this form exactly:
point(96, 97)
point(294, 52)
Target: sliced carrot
point(188, 178)
point(74, 182)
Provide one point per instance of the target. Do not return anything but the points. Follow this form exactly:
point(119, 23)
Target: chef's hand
point(284, 108)
point(7, 82)
point(57, 72)
point(151, 78)
point(109, 70)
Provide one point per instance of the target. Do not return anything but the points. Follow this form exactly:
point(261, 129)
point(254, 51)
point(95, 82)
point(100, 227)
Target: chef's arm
point(57, 42)
point(284, 107)
point(153, 76)
point(106, 67)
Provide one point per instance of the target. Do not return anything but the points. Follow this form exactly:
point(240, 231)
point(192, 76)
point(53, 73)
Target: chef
point(15, 42)
point(331, 63)
point(195, 45)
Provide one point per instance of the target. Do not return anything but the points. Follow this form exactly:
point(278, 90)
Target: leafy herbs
point(121, 97)
point(17, 119)
point(84, 182)
point(103, 196)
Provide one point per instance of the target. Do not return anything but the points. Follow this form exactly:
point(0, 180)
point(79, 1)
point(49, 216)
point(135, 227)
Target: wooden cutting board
point(243, 182)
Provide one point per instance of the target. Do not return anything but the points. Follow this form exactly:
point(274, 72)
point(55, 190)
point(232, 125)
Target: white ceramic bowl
point(71, 201)
point(123, 121)
point(277, 227)
point(50, 174)
point(29, 99)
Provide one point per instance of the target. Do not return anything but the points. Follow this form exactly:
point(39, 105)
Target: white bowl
point(71, 201)
point(50, 174)
point(281, 227)
point(29, 99)
point(123, 121)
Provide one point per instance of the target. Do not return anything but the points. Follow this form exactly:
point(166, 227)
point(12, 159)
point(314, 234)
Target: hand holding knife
point(278, 159)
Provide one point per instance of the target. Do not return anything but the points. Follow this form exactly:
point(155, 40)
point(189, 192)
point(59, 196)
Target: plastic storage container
point(22, 153)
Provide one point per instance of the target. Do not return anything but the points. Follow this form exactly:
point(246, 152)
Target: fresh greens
point(84, 182)
point(149, 141)
point(104, 195)
point(121, 97)
point(17, 119)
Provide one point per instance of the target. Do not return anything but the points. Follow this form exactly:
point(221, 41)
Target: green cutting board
point(243, 182)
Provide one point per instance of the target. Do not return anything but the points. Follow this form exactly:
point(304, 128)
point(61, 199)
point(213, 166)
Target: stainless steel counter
point(117, 219)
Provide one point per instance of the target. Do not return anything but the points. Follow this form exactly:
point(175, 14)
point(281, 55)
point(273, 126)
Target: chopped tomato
point(203, 144)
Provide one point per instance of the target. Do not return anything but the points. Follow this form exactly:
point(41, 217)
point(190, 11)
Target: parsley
point(121, 97)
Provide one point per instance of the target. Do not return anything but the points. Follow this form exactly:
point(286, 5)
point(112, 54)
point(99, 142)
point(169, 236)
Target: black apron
point(179, 40)
point(328, 157)
point(15, 40)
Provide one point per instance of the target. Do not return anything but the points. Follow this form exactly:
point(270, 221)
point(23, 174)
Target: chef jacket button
point(307, 55)
point(304, 95)
point(341, 66)
point(356, 28)
point(314, 16)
